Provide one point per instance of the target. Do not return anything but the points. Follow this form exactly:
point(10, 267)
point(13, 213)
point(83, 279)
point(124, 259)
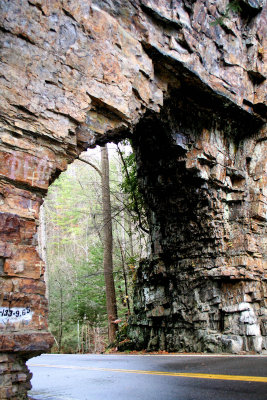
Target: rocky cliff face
point(204, 287)
point(190, 93)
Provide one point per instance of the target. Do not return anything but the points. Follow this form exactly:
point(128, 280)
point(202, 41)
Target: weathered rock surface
point(204, 288)
point(191, 94)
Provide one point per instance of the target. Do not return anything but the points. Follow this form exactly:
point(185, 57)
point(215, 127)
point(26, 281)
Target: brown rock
point(191, 94)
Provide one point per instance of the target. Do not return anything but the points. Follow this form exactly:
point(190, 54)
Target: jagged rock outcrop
point(190, 93)
point(204, 288)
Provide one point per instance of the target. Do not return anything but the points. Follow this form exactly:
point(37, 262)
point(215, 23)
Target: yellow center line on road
point(161, 373)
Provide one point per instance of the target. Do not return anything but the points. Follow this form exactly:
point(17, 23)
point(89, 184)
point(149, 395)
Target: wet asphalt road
point(134, 377)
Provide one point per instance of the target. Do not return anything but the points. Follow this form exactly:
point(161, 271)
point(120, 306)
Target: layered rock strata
point(191, 94)
point(204, 288)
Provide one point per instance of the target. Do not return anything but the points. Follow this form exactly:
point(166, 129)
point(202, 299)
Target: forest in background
point(73, 236)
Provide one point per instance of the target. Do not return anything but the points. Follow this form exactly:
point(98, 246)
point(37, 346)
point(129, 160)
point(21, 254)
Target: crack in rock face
point(191, 94)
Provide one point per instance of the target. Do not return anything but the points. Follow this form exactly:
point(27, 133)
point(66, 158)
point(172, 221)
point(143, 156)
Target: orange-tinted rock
point(26, 168)
point(25, 263)
point(34, 342)
point(16, 230)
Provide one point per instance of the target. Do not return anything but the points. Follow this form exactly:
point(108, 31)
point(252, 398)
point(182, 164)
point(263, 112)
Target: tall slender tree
point(108, 247)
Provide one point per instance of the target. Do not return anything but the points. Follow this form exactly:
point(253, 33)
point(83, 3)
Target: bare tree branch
point(91, 164)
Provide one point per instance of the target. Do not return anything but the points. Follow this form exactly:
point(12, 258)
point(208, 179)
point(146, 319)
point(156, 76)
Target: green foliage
point(90, 289)
point(233, 6)
point(133, 198)
point(76, 283)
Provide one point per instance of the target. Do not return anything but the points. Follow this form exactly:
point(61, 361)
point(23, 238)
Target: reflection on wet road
point(179, 377)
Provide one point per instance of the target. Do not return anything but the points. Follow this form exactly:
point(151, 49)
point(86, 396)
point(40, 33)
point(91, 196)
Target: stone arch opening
point(202, 288)
point(72, 241)
point(70, 82)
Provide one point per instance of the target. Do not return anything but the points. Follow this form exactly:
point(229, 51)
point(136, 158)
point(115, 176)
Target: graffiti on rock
point(15, 314)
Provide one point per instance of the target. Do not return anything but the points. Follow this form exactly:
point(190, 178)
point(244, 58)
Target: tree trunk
point(124, 277)
point(108, 244)
point(42, 247)
point(61, 320)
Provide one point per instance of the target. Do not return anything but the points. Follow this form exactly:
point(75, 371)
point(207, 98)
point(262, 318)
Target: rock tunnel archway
point(191, 96)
